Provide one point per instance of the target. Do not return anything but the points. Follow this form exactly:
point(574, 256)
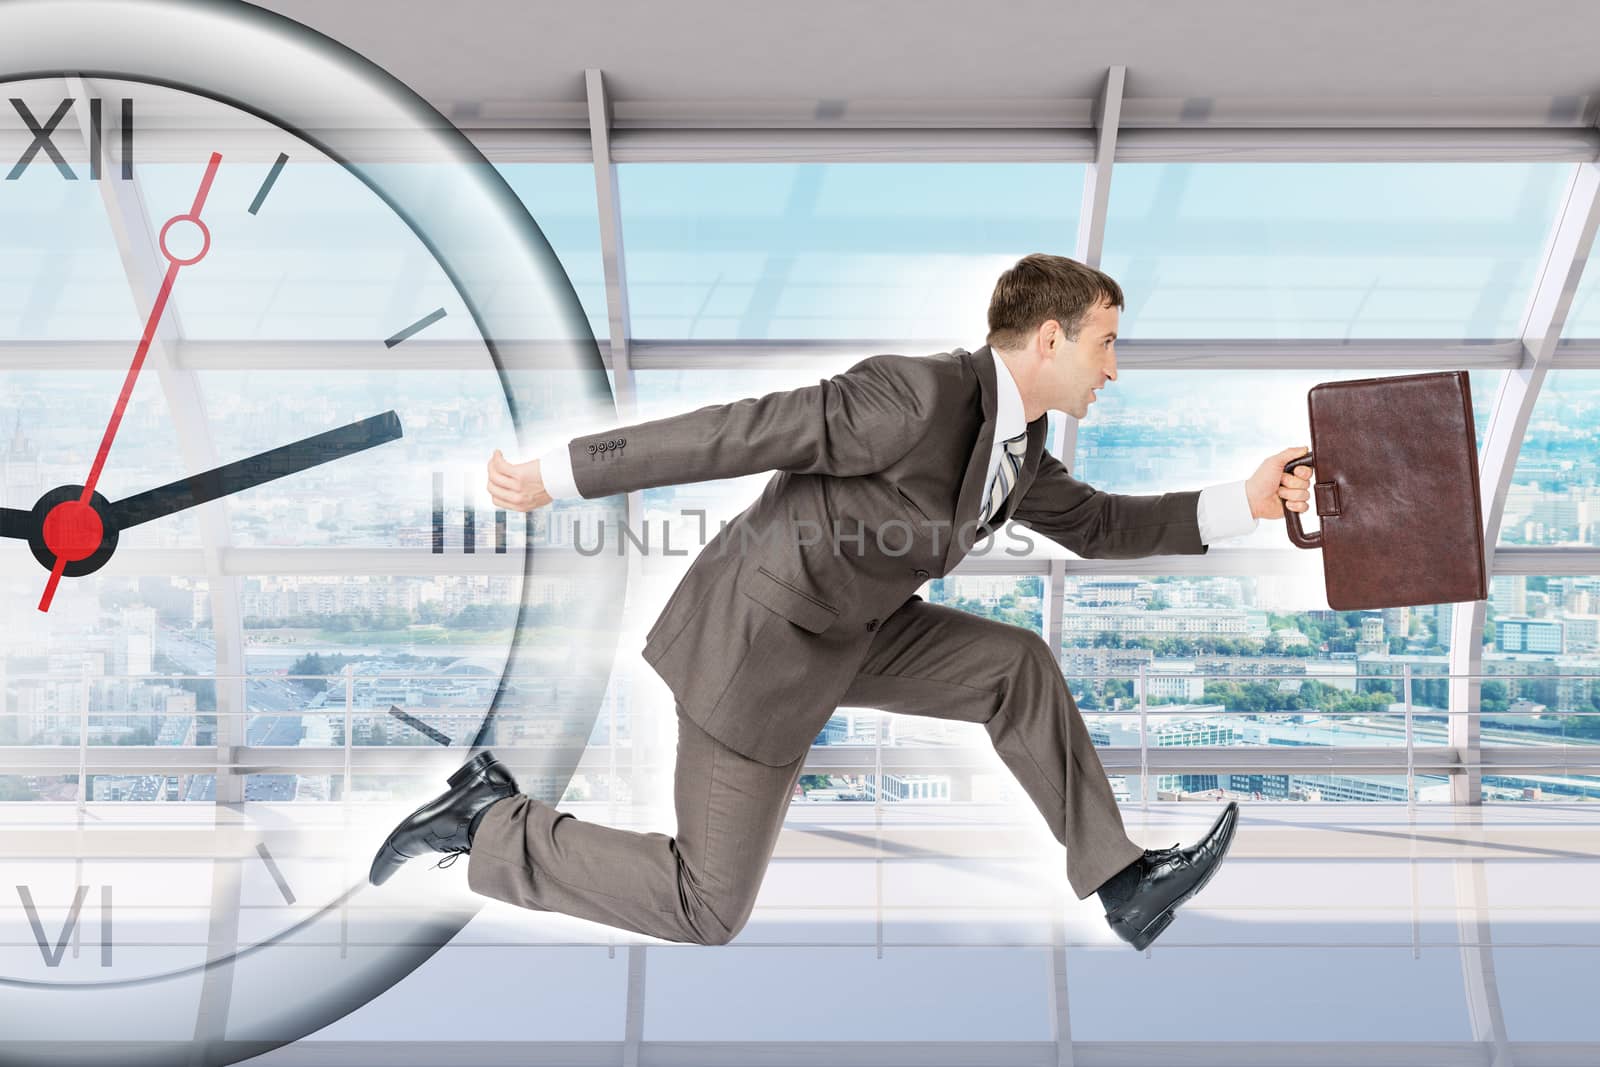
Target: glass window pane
point(1328, 249)
point(915, 747)
point(1254, 662)
point(325, 260)
point(561, 199)
point(834, 250)
point(451, 421)
point(61, 275)
point(1583, 319)
point(1017, 600)
point(1554, 496)
point(1542, 686)
point(1157, 431)
point(51, 426)
point(370, 276)
point(130, 657)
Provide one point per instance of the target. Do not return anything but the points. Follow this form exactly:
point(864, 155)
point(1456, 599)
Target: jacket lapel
point(967, 504)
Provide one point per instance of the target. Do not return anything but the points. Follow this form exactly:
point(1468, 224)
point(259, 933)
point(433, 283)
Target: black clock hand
point(254, 470)
point(14, 523)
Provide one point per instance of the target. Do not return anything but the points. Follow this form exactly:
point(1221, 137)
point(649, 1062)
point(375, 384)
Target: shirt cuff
point(555, 467)
point(1224, 511)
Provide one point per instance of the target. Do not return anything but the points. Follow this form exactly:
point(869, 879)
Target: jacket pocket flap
point(800, 608)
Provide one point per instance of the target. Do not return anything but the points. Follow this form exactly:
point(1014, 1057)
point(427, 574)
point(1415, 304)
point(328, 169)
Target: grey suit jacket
point(879, 484)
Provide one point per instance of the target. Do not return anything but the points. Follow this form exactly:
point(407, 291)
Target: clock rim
point(418, 118)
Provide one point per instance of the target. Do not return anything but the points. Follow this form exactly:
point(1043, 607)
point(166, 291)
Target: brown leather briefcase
point(1395, 484)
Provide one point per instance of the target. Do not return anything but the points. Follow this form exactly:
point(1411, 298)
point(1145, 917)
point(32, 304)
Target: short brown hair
point(1041, 287)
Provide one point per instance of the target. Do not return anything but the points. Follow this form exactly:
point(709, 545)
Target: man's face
point(1080, 367)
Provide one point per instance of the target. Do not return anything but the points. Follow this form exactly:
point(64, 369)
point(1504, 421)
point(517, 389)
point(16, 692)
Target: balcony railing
point(1410, 748)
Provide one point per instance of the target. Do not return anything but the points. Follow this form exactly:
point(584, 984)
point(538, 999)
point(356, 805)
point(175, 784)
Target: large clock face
point(257, 602)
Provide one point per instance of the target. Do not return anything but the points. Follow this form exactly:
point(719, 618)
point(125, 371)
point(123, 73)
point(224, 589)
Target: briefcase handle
point(1291, 519)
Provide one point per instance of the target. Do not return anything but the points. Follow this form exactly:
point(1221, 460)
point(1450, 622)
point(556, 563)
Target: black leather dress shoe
point(442, 824)
point(1169, 877)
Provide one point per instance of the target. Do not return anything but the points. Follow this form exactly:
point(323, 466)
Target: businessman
point(886, 475)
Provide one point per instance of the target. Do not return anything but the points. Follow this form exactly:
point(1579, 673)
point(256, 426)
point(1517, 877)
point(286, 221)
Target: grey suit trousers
point(700, 886)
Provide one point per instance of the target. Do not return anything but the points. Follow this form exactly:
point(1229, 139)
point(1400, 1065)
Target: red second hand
point(173, 263)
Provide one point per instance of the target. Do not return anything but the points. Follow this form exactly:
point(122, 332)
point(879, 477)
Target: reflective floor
point(944, 933)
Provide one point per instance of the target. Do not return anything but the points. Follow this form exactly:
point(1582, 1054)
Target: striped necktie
point(1005, 476)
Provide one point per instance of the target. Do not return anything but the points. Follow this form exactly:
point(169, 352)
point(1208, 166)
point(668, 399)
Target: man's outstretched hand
point(519, 486)
point(1271, 485)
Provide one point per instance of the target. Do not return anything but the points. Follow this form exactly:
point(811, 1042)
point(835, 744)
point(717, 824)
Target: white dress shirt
point(555, 467)
point(1223, 510)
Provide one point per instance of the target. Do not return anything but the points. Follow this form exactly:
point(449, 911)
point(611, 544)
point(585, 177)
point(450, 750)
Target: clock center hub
point(73, 530)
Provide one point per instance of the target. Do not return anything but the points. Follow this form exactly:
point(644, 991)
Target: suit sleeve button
point(920, 573)
point(872, 624)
